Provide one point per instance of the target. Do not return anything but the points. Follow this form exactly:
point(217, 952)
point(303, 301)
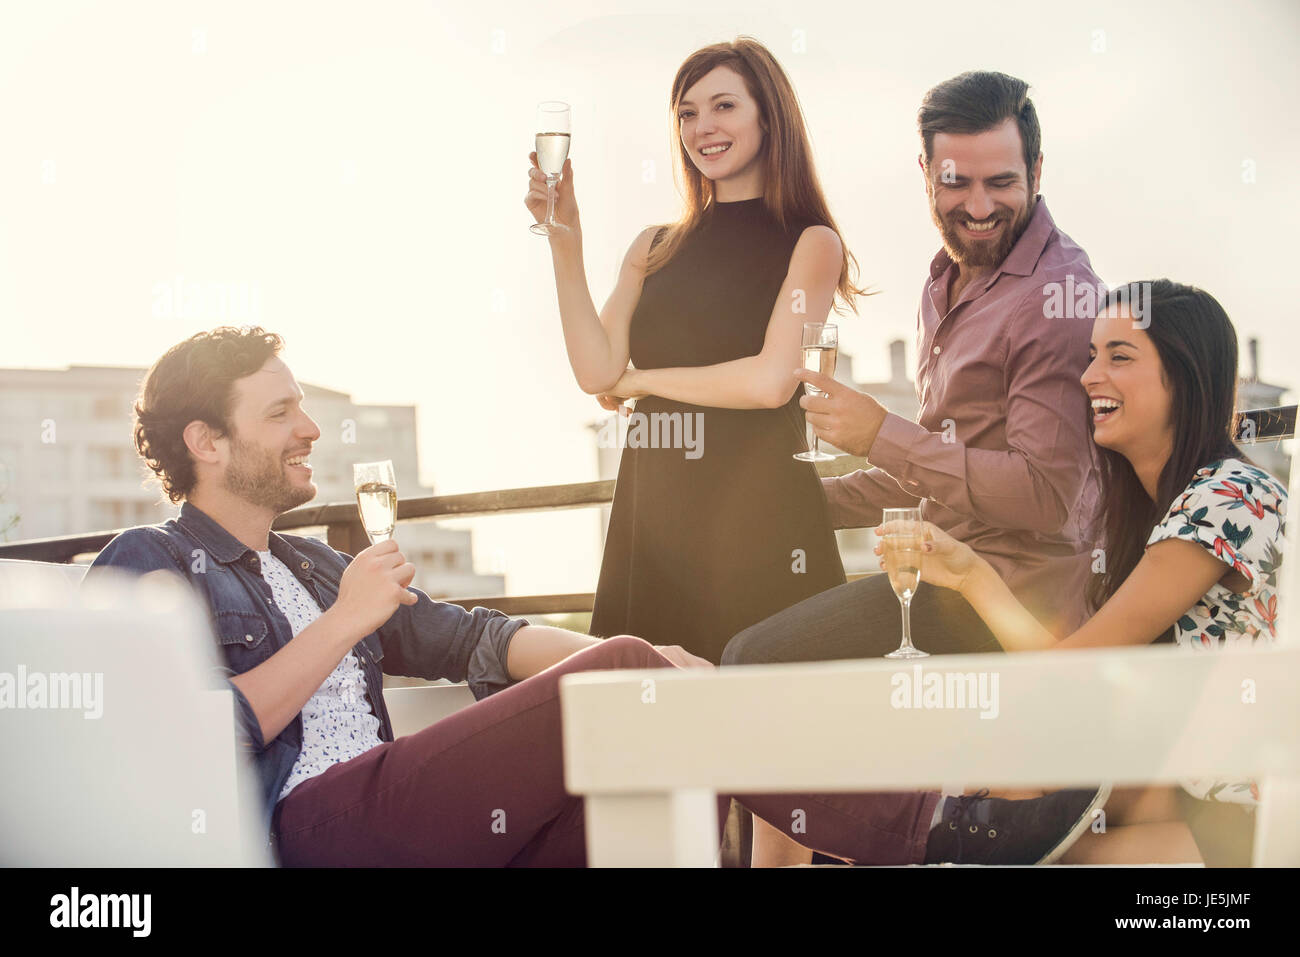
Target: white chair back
point(117, 744)
point(37, 584)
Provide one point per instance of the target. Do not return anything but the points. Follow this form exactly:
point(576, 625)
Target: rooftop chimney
point(898, 361)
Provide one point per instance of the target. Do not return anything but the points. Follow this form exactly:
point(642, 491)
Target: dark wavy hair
point(194, 380)
point(1197, 346)
point(978, 101)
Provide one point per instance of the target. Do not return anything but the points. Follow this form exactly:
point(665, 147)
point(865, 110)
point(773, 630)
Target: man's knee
point(629, 649)
point(742, 649)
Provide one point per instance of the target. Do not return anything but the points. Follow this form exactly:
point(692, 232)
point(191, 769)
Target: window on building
point(105, 515)
point(19, 409)
point(53, 461)
point(109, 462)
point(111, 407)
point(43, 519)
point(8, 465)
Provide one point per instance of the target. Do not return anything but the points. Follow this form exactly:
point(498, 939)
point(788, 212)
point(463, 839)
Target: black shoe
point(977, 829)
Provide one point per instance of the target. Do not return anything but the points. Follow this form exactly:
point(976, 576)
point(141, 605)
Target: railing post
point(347, 537)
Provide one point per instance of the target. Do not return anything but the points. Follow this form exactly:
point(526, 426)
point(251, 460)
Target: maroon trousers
point(485, 787)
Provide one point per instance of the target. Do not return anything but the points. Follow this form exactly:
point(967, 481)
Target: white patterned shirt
point(337, 722)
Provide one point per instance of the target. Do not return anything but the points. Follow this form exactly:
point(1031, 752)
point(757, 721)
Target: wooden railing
point(344, 531)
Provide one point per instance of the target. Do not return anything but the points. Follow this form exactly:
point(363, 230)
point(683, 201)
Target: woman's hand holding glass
point(553, 134)
point(566, 203)
point(945, 561)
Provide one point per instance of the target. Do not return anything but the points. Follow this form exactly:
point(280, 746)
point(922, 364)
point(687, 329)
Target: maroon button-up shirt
point(1000, 455)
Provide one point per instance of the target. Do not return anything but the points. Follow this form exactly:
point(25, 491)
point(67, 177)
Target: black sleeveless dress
point(704, 543)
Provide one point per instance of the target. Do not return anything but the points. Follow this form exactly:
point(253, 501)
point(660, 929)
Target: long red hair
point(791, 189)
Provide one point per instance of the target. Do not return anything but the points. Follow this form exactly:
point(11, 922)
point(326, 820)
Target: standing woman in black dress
point(726, 528)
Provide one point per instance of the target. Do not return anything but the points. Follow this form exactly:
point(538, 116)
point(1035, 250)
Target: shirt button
point(248, 637)
point(305, 566)
point(936, 350)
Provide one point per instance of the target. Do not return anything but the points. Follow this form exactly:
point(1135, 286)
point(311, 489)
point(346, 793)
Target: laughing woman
point(705, 541)
point(1193, 541)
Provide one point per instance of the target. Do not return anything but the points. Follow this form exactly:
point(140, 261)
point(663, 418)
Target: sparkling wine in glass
point(552, 150)
point(902, 554)
point(821, 344)
point(376, 498)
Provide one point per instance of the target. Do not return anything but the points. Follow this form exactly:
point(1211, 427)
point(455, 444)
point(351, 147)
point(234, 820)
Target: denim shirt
point(430, 639)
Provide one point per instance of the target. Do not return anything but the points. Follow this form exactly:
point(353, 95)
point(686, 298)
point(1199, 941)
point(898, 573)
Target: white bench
point(129, 788)
point(648, 750)
point(118, 747)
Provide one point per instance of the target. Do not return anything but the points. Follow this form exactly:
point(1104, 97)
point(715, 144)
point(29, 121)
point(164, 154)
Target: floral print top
point(1237, 512)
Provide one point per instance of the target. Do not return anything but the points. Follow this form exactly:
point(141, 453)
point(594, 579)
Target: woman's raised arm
point(597, 344)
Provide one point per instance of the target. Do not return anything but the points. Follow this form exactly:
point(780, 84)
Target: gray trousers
point(862, 619)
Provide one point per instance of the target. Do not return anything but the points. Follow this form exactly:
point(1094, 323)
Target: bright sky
point(363, 167)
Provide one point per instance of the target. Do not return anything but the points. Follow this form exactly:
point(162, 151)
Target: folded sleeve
point(248, 728)
point(487, 672)
point(1236, 518)
point(433, 639)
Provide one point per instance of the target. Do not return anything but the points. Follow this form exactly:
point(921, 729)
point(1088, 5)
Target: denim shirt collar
point(228, 550)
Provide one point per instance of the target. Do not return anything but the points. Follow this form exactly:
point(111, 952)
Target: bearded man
point(1000, 455)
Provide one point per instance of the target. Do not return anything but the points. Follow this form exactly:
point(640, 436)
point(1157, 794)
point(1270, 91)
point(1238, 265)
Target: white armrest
point(647, 749)
point(413, 709)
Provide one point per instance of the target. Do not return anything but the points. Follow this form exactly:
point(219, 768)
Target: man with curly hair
point(307, 632)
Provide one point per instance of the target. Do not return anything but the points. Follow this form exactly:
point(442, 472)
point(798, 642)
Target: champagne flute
point(552, 151)
point(902, 554)
point(821, 344)
point(376, 498)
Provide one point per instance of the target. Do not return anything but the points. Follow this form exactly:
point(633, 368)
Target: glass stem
point(816, 442)
point(907, 622)
point(550, 201)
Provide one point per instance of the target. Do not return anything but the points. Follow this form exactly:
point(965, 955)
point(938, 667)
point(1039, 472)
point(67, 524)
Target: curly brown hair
point(194, 380)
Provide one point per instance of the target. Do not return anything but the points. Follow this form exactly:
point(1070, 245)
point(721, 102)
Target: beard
point(975, 253)
point(258, 477)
